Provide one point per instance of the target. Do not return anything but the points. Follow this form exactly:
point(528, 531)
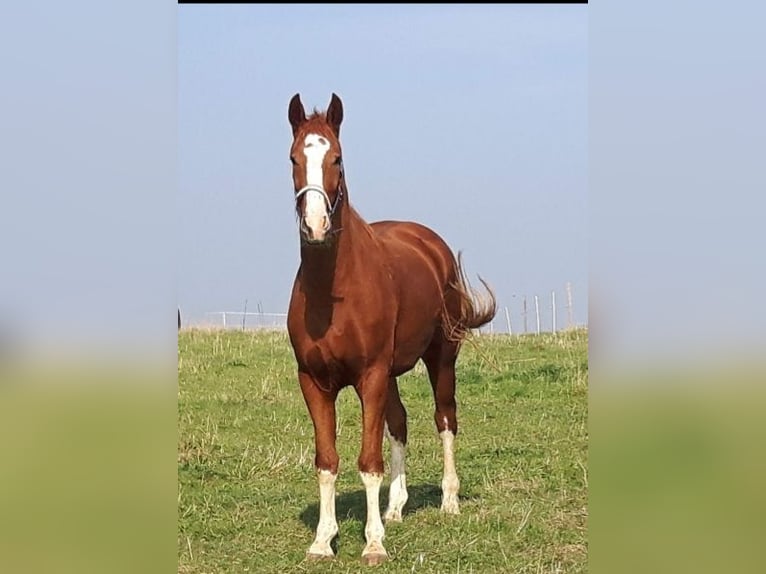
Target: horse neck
point(326, 269)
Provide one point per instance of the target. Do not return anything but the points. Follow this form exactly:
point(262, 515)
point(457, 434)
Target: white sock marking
point(450, 482)
point(315, 208)
point(373, 531)
point(328, 525)
point(397, 492)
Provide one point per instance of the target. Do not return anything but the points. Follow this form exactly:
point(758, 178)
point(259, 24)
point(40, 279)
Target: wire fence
point(525, 314)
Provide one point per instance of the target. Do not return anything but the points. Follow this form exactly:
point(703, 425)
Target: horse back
point(413, 248)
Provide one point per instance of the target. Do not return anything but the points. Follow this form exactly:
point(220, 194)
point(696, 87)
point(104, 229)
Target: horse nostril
point(326, 222)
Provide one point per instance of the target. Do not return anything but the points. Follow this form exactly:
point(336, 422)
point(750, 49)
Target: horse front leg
point(321, 406)
point(373, 391)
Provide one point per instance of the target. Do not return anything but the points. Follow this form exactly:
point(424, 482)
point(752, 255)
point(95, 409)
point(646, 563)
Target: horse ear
point(295, 113)
point(335, 114)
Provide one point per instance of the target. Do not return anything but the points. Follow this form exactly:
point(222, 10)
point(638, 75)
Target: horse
point(369, 300)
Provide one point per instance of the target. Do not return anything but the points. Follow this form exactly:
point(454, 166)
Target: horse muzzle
point(316, 215)
point(315, 230)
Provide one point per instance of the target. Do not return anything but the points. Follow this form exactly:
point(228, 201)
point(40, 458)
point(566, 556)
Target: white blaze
point(315, 147)
point(328, 526)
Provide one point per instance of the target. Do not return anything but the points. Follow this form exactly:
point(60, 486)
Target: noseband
point(331, 206)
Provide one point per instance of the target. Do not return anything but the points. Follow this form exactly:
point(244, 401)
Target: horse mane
point(316, 123)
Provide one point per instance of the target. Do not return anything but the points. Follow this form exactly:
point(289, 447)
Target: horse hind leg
point(396, 431)
point(440, 360)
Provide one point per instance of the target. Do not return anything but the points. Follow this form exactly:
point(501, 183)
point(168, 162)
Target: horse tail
point(475, 308)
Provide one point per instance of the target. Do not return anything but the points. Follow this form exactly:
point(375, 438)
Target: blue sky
point(469, 119)
point(88, 174)
point(120, 118)
point(677, 135)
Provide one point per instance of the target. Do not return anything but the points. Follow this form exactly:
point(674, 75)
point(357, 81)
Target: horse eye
point(292, 159)
point(337, 160)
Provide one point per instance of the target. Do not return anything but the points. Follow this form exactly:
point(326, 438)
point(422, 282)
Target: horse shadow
point(353, 505)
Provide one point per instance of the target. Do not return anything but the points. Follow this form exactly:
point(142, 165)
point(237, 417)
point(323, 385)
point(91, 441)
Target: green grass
point(248, 496)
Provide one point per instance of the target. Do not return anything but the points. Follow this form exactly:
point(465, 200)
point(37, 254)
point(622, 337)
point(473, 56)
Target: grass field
point(248, 496)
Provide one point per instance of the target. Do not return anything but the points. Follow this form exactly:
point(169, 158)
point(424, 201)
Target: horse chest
point(323, 365)
point(340, 354)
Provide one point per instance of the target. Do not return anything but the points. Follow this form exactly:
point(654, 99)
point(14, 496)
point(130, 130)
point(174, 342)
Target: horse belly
point(411, 339)
point(419, 315)
point(403, 365)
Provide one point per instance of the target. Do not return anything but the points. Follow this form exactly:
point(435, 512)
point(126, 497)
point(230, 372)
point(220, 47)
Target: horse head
point(317, 168)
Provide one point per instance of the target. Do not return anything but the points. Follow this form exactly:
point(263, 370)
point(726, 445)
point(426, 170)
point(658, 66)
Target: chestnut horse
point(369, 301)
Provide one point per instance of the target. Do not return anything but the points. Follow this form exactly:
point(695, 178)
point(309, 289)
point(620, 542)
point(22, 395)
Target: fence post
point(537, 314)
point(570, 320)
point(508, 320)
point(553, 308)
point(524, 306)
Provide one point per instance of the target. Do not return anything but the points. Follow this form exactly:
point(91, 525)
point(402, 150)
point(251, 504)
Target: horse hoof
point(317, 557)
point(451, 507)
point(374, 558)
point(392, 517)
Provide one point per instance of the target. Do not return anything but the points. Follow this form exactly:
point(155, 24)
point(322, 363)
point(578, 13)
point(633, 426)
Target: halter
point(331, 206)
